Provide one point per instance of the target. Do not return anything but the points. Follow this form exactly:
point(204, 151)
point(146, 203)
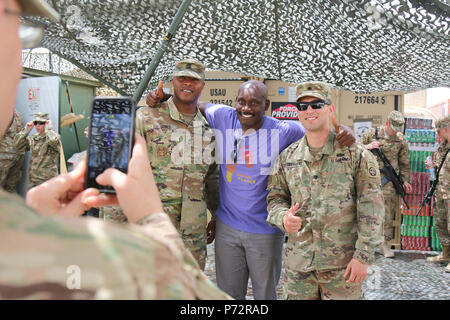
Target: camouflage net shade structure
point(364, 46)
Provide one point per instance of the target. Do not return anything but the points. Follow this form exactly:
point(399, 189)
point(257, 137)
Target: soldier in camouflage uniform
point(11, 160)
point(178, 139)
point(441, 205)
point(393, 144)
point(44, 148)
point(329, 201)
point(55, 258)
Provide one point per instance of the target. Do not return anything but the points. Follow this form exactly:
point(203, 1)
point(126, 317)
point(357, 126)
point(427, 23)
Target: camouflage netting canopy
point(365, 46)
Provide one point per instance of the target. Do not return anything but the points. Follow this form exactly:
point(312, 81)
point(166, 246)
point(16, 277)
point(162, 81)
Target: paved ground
point(408, 276)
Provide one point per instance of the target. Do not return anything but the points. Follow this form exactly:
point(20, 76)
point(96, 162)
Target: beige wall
point(352, 106)
point(416, 99)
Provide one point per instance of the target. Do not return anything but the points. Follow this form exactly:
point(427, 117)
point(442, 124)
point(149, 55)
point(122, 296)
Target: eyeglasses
point(30, 32)
point(318, 104)
point(39, 122)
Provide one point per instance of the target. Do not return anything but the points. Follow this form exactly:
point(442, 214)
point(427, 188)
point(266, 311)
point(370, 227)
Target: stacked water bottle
point(418, 233)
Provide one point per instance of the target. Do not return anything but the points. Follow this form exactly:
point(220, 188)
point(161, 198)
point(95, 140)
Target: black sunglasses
point(318, 104)
point(39, 122)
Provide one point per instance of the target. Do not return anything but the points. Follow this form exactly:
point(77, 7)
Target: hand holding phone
point(111, 138)
point(137, 193)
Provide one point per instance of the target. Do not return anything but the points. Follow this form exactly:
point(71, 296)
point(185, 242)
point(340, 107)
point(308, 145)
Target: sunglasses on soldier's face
point(317, 104)
point(39, 122)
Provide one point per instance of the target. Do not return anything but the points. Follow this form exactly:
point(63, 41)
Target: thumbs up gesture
point(292, 223)
point(156, 96)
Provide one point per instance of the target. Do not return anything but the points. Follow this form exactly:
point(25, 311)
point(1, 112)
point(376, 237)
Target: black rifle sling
point(384, 180)
point(442, 163)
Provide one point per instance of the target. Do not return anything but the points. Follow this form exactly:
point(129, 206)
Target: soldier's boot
point(387, 250)
point(447, 268)
point(443, 257)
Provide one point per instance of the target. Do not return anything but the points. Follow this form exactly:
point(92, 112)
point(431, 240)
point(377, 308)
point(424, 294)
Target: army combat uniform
point(55, 258)
point(341, 207)
point(44, 151)
point(186, 180)
point(11, 160)
point(441, 204)
point(442, 196)
point(396, 150)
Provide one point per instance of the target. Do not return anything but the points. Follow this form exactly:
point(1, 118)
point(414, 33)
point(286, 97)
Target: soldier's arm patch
point(372, 171)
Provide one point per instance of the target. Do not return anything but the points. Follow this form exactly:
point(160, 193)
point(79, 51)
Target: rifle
point(389, 173)
point(427, 197)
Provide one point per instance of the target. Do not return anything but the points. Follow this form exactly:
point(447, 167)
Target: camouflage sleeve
point(212, 190)
point(21, 140)
point(166, 230)
point(139, 125)
point(279, 197)
point(18, 121)
point(142, 126)
point(166, 233)
point(403, 161)
point(366, 138)
point(113, 262)
point(439, 154)
point(370, 208)
point(53, 140)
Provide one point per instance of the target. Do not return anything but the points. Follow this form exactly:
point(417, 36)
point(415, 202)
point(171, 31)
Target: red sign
point(284, 111)
point(33, 94)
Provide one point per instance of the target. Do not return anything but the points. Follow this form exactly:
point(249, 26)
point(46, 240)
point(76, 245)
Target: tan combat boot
point(447, 268)
point(443, 257)
point(387, 250)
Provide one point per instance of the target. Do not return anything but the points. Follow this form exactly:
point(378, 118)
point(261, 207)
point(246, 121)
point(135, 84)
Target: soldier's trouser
point(329, 285)
point(390, 207)
point(196, 243)
point(441, 209)
point(240, 255)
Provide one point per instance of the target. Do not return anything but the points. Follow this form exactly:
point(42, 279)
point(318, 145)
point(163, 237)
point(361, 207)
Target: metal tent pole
point(161, 50)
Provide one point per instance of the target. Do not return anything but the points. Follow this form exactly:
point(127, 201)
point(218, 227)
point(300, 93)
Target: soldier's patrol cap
point(189, 68)
point(443, 123)
point(41, 116)
point(396, 120)
point(38, 8)
point(315, 89)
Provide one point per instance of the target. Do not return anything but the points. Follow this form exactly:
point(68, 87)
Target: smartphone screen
point(111, 138)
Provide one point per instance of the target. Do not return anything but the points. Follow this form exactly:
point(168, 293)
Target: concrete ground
point(407, 276)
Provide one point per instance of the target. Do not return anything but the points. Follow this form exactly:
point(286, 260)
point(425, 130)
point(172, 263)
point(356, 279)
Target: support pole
point(161, 50)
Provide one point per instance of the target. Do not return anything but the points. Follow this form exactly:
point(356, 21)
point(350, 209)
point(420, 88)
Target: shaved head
point(251, 104)
point(255, 85)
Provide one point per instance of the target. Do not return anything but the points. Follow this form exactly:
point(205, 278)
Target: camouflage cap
point(38, 8)
point(319, 90)
point(189, 68)
point(41, 116)
point(443, 123)
point(396, 120)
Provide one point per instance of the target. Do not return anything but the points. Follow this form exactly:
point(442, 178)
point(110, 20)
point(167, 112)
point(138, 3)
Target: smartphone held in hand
point(111, 138)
